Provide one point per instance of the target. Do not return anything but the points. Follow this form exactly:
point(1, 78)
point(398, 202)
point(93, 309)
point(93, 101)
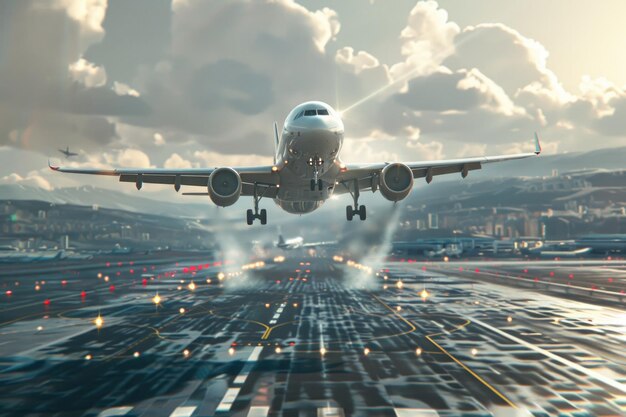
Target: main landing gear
point(252, 215)
point(356, 210)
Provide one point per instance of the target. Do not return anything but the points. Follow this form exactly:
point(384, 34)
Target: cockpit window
point(299, 115)
point(309, 113)
point(322, 112)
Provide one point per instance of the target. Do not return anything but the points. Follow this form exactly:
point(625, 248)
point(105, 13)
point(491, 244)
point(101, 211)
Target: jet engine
point(396, 181)
point(224, 186)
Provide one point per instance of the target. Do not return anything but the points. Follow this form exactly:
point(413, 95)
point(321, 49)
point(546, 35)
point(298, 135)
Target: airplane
point(67, 152)
point(298, 242)
point(306, 172)
point(293, 243)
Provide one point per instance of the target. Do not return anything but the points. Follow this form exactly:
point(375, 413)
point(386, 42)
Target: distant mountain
point(89, 196)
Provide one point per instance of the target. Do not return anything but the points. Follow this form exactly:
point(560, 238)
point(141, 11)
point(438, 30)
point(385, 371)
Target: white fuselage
point(308, 149)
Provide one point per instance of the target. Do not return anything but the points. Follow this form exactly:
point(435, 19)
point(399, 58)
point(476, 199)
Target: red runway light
point(83, 294)
point(278, 281)
point(292, 343)
point(132, 271)
point(551, 273)
point(145, 269)
point(112, 288)
point(477, 270)
point(119, 264)
point(460, 268)
point(610, 279)
point(46, 302)
point(118, 273)
point(131, 263)
point(9, 292)
point(108, 264)
point(525, 271)
point(536, 279)
point(64, 282)
point(144, 282)
point(571, 276)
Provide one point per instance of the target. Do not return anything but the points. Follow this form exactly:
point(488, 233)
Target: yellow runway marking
point(430, 338)
point(266, 335)
point(474, 374)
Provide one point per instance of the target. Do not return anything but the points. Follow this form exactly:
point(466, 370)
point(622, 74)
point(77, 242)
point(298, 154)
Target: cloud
point(32, 179)
point(427, 40)
point(347, 60)
point(87, 73)
point(214, 159)
point(175, 161)
point(122, 89)
point(129, 158)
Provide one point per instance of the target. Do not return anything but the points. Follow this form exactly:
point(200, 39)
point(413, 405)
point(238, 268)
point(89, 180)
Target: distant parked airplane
point(67, 152)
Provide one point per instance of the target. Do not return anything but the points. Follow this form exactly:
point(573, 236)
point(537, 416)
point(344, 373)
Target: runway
point(307, 337)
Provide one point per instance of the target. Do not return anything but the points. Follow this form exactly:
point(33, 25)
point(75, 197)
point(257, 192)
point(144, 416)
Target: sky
point(184, 83)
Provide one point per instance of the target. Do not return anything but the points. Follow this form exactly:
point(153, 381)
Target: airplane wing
point(263, 176)
point(366, 174)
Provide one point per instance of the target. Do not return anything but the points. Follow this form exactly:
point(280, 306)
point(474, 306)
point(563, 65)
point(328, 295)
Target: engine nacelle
point(396, 181)
point(224, 186)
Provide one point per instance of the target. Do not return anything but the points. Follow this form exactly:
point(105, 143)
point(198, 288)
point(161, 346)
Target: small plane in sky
point(67, 152)
point(306, 172)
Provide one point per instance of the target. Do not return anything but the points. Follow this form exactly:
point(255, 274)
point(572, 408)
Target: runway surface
point(309, 337)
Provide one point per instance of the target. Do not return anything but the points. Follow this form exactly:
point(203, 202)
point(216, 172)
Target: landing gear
point(356, 210)
point(316, 162)
point(317, 184)
point(251, 216)
point(256, 214)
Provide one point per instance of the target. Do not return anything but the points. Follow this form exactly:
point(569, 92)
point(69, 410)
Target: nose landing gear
point(316, 162)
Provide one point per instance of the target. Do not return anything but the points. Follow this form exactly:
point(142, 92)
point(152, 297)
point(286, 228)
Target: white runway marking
point(330, 412)
point(183, 411)
point(228, 400)
point(258, 411)
point(595, 375)
point(415, 412)
point(245, 372)
point(115, 412)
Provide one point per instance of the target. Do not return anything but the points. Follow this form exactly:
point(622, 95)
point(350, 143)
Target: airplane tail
point(281, 240)
point(275, 141)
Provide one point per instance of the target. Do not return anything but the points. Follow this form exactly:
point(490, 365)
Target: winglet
point(537, 145)
point(52, 167)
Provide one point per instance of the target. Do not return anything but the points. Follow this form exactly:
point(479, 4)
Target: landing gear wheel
point(312, 185)
point(349, 213)
point(362, 213)
point(252, 215)
point(320, 185)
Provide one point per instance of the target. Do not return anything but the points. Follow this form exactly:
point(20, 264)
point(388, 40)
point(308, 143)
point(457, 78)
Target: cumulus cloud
point(427, 40)
point(175, 161)
point(215, 159)
point(347, 60)
point(122, 89)
point(32, 179)
point(87, 73)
